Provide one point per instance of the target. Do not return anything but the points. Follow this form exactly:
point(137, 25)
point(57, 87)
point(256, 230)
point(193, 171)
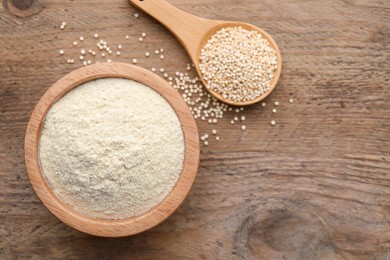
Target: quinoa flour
point(112, 148)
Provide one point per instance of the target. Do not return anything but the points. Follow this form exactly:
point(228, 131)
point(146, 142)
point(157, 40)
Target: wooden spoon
point(193, 32)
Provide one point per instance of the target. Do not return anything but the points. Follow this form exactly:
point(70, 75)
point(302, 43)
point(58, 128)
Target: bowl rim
point(103, 227)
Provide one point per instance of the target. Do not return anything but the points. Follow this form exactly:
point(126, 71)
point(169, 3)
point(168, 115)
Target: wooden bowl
point(103, 227)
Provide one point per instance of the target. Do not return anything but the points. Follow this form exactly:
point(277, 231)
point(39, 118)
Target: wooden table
point(315, 186)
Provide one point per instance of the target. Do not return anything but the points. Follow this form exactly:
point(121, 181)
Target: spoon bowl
point(194, 32)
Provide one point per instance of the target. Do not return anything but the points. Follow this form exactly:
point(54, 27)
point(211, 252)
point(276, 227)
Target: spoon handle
point(187, 28)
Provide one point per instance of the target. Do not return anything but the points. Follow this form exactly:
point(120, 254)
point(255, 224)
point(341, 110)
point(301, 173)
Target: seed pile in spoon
point(238, 64)
point(204, 106)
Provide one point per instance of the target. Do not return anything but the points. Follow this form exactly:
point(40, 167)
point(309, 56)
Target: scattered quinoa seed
point(203, 105)
point(63, 24)
point(274, 110)
point(291, 100)
point(136, 15)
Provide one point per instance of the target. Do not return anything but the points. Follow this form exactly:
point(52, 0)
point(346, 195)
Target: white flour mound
point(112, 148)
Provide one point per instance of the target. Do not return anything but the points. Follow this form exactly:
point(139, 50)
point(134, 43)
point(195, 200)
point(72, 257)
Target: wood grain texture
point(101, 227)
point(193, 32)
point(315, 186)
